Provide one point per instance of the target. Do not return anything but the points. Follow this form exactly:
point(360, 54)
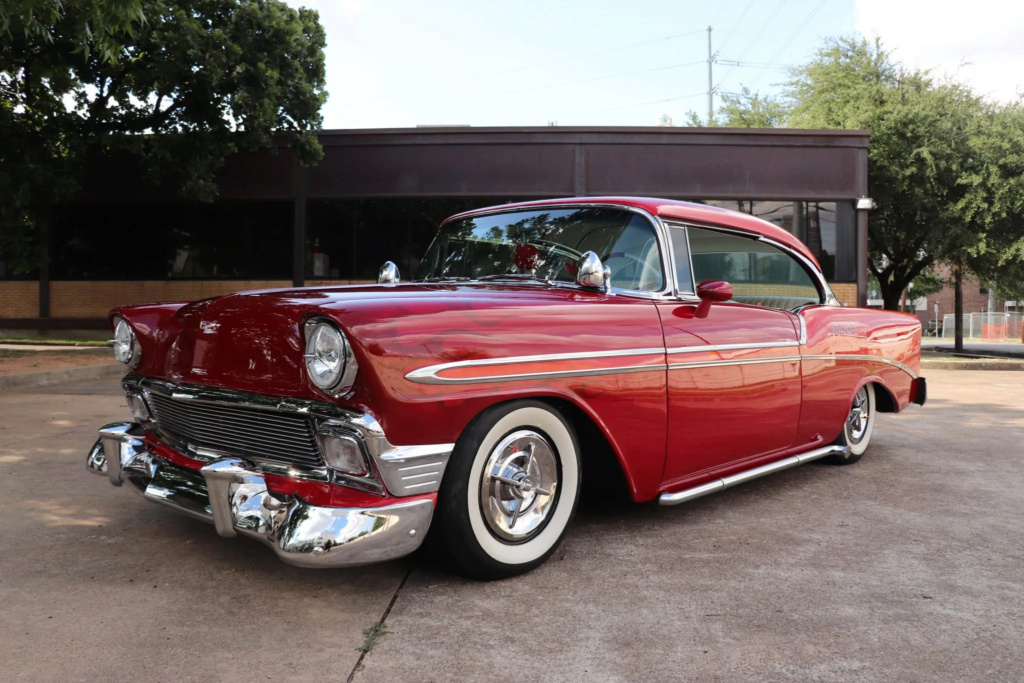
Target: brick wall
point(845, 292)
point(94, 299)
point(19, 298)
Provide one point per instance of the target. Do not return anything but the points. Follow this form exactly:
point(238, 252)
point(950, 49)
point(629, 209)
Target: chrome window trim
point(660, 233)
point(862, 358)
point(824, 291)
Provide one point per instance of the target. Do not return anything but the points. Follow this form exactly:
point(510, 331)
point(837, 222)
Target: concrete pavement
point(906, 566)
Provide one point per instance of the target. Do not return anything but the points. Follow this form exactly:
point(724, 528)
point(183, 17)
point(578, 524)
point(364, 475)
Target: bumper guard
point(232, 494)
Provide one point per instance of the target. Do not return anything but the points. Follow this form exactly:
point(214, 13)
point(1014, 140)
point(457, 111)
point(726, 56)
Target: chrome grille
point(245, 432)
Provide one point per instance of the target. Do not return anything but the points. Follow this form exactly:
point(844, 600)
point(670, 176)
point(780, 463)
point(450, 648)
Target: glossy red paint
point(729, 405)
point(675, 409)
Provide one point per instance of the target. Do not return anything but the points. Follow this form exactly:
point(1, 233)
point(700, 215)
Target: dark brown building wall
point(520, 163)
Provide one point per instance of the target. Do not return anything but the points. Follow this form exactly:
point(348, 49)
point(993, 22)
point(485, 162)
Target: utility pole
point(711, 109)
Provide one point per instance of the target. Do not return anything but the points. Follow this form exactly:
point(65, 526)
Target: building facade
point(379, 195)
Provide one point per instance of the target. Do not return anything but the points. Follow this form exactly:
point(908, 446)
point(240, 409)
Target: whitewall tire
point(858, 426)
point(510, 489)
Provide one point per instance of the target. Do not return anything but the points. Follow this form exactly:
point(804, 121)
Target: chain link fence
point(986, 326)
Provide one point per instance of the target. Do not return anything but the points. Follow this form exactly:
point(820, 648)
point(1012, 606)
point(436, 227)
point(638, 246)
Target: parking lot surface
point(908, 565)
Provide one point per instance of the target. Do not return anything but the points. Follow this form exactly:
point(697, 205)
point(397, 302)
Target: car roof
point(673, 209)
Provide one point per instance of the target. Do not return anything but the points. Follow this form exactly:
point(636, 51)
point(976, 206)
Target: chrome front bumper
point(232, 494)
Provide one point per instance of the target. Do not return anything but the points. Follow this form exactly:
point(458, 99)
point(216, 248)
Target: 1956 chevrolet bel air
point(696, 347)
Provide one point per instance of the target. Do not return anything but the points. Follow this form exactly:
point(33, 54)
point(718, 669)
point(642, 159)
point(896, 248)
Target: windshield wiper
point(509, 276)
point(446, 278)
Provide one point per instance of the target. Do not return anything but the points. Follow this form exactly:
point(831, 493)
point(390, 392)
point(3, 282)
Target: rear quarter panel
point(845, 349)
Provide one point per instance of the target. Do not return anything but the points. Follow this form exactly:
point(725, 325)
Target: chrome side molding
point(694, 492)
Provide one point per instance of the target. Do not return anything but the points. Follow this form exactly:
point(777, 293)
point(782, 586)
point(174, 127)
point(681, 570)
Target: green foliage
point(370, 636)
point(744, 110)
point(945, 168)
point(921, 133)
point(751, 110)
point(927, 283)
point(176, 85)
point(993, 205)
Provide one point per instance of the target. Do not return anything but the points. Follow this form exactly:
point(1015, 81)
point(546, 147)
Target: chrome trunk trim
point(733, 480)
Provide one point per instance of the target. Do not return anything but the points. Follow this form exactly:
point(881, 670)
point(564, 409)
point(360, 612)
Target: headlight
point(124, 342)
point(329, 359)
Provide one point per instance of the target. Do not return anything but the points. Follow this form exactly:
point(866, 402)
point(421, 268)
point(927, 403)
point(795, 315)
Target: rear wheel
point(510, 490)
point(858, 427)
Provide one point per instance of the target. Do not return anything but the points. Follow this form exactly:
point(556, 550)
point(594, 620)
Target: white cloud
point(980, 43)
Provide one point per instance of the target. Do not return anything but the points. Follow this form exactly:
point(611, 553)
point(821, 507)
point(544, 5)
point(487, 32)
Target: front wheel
point(511, 488)
point(858, 427)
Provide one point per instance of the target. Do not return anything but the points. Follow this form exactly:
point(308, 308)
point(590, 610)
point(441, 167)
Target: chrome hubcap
point(859, 417)
point(519, 484)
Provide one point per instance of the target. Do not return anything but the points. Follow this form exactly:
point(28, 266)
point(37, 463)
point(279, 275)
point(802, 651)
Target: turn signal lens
point(137, 405)
point(343, 453)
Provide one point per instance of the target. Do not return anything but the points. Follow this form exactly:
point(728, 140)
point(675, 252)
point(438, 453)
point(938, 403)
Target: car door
point(734, 389)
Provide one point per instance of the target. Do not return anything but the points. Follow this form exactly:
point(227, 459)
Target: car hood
point(253, 341)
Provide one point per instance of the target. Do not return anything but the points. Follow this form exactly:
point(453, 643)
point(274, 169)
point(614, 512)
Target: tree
point(992, 206)
point(175, 85)
point(920, 152)
point(745, 110)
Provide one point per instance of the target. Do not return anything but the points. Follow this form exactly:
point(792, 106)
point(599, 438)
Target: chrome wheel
point(520, 486)
point(509, 491)
point(858, 421)
point(858, 426)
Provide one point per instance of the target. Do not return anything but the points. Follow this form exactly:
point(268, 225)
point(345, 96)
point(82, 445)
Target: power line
point(644, 104)
point(562, 60)
point(764, 27)
point(814, 11)
point(743, 14)
point(587, 80)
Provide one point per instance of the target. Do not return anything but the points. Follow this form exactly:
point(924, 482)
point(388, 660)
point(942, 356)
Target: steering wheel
point(644, 265)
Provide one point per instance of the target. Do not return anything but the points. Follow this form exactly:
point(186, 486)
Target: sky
point(406, 63)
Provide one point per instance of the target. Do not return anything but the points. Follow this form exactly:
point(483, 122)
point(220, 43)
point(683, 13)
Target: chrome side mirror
point(593, 274)
point(388, 274)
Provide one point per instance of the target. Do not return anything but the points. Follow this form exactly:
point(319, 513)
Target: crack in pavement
point(382, 622)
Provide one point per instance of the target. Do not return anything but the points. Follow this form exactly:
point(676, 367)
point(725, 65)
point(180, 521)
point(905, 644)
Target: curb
point(44, 378)
point(972, 365)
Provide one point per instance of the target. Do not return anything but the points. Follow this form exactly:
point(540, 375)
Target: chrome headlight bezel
point(340, 381)
point(126, 343)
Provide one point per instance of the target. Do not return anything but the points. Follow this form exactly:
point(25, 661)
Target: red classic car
point(695, 347)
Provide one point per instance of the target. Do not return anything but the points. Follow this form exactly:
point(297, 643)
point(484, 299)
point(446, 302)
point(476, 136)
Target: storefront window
point(349, 239)
point(222, 240)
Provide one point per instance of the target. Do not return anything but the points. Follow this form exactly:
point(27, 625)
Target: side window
point(681, 255)
point(760, 274)
point(630, 252)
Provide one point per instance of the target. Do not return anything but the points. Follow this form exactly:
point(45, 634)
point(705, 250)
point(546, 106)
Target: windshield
point(546, 244)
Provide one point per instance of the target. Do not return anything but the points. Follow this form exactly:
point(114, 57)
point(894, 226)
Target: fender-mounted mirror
point(711, 291)
point(388, 274)
point(593, 274)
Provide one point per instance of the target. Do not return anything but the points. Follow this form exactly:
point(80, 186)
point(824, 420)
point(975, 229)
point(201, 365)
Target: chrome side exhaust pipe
point(694, 492)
